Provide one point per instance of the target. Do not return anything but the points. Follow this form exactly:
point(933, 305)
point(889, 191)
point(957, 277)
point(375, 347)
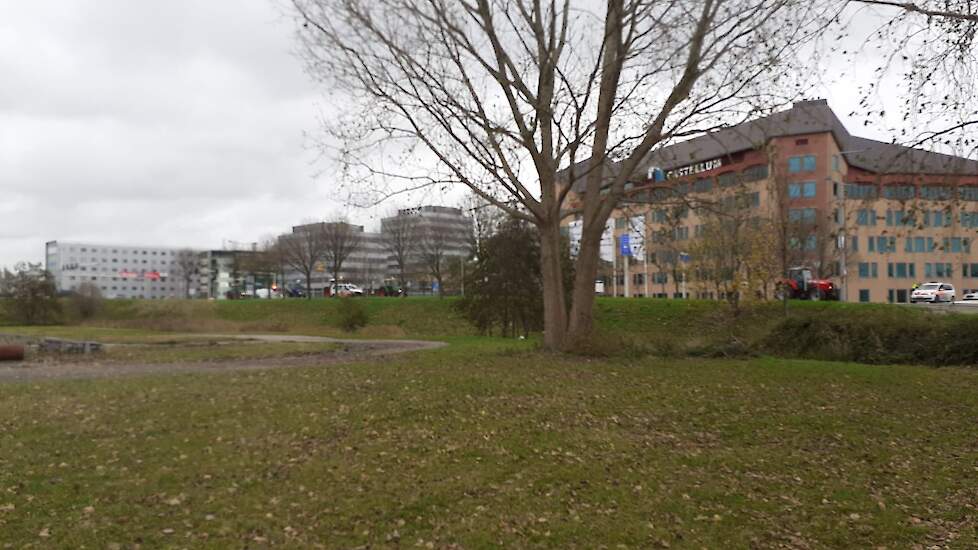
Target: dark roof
point(810, 117)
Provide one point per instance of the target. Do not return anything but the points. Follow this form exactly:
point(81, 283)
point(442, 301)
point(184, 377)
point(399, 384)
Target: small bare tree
point(303, 249)
point(187, 265)
point(340, 239)
point(400, 234)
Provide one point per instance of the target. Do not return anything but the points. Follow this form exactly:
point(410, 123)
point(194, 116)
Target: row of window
point(907, 192)
point(886, 245)
point(95, 250)
point(908, 270)
point(928, 218)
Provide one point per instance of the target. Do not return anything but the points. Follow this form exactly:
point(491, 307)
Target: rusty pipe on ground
point(11, 352)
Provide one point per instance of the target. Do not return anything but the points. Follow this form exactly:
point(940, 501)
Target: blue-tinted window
point(703, 185)
point(863, 294)
point(968, 193)
point(899, 192)
point(861, 191)
point(727, 180)
point(794, 190)
point(936, 192)
point(808, 189)
point(754, 173)
point(804, 163)
point(865, 216)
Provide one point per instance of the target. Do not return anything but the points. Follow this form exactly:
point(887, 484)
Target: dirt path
point(356, 350)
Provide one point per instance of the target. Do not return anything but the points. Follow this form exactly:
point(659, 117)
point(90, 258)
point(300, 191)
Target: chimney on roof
point(809, 103)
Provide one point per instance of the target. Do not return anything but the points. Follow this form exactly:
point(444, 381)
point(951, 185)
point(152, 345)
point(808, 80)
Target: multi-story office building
point(433, 231)
point(118, 271)
point(725, 212)
point(370, 264)
point(364, 265)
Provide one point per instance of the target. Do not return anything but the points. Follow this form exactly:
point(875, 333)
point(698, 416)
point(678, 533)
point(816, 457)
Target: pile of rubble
point(14, 347)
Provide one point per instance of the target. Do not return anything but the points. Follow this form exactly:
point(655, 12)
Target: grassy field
point(488, 442)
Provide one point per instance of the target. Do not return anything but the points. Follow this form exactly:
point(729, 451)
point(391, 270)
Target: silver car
point(933, 292)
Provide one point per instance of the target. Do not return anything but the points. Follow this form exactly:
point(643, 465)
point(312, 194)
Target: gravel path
point(355, 350)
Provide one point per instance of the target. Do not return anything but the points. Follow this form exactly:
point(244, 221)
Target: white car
point(346, 289)
point(933, 292)
point(973, 295)
point(266, 293)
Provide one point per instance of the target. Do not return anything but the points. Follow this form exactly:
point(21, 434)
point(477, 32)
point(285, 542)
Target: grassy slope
point(487, 442)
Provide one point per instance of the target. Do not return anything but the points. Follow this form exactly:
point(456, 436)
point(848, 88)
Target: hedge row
point(877, 336)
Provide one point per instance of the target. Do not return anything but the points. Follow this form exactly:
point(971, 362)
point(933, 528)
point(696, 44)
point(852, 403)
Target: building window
point(968, 193)
point(899, 192)
point(805, 163)
point(936, 192)
point(865, 216)
point(868, 270)
point(802, 215)
point(755, 173)
point(957, 245)
point(940, 270)
point(703, 185)
point(969, 270)
point(969, 219)
point(835, 163)
point(727, 180)
point(882, 244)
point(863, 295)
point(861, 191)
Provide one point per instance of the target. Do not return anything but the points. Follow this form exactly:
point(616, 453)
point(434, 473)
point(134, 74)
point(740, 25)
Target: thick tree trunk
point(582, 308)
point(554, 305)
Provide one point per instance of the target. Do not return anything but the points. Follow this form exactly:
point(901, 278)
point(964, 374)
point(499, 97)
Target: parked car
point(265, 293)
point(973, 295)
point(933, 291)
point(346, 289)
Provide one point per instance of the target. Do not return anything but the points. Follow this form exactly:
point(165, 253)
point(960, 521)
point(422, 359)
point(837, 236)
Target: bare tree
point(187, 265)
point(303, 249)
point(934, 55)
point(340, 239)
point(433, 248)
point(499, 95)
point(400, 234)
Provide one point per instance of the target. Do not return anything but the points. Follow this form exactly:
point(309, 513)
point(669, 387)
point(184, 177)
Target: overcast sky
point(166, 123)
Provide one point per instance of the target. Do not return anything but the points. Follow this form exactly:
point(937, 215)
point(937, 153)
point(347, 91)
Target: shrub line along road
point(353, 350)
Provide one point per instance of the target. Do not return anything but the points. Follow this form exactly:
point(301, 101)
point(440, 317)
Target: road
point(354, 350)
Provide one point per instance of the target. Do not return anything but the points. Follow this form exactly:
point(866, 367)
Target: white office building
point(118, 271)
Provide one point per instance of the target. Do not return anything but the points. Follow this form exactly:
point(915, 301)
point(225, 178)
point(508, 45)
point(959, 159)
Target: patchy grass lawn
point(489, 443)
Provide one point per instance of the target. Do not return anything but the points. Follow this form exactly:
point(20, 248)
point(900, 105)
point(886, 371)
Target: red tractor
point(800, 285)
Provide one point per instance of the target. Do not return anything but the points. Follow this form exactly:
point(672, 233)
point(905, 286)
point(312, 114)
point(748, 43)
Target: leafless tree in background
point(433, 249)
point(187, 265)
point(400, 234)
point(302, 249)
point(933, 53)
point(340, 240)
point(500, 95)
